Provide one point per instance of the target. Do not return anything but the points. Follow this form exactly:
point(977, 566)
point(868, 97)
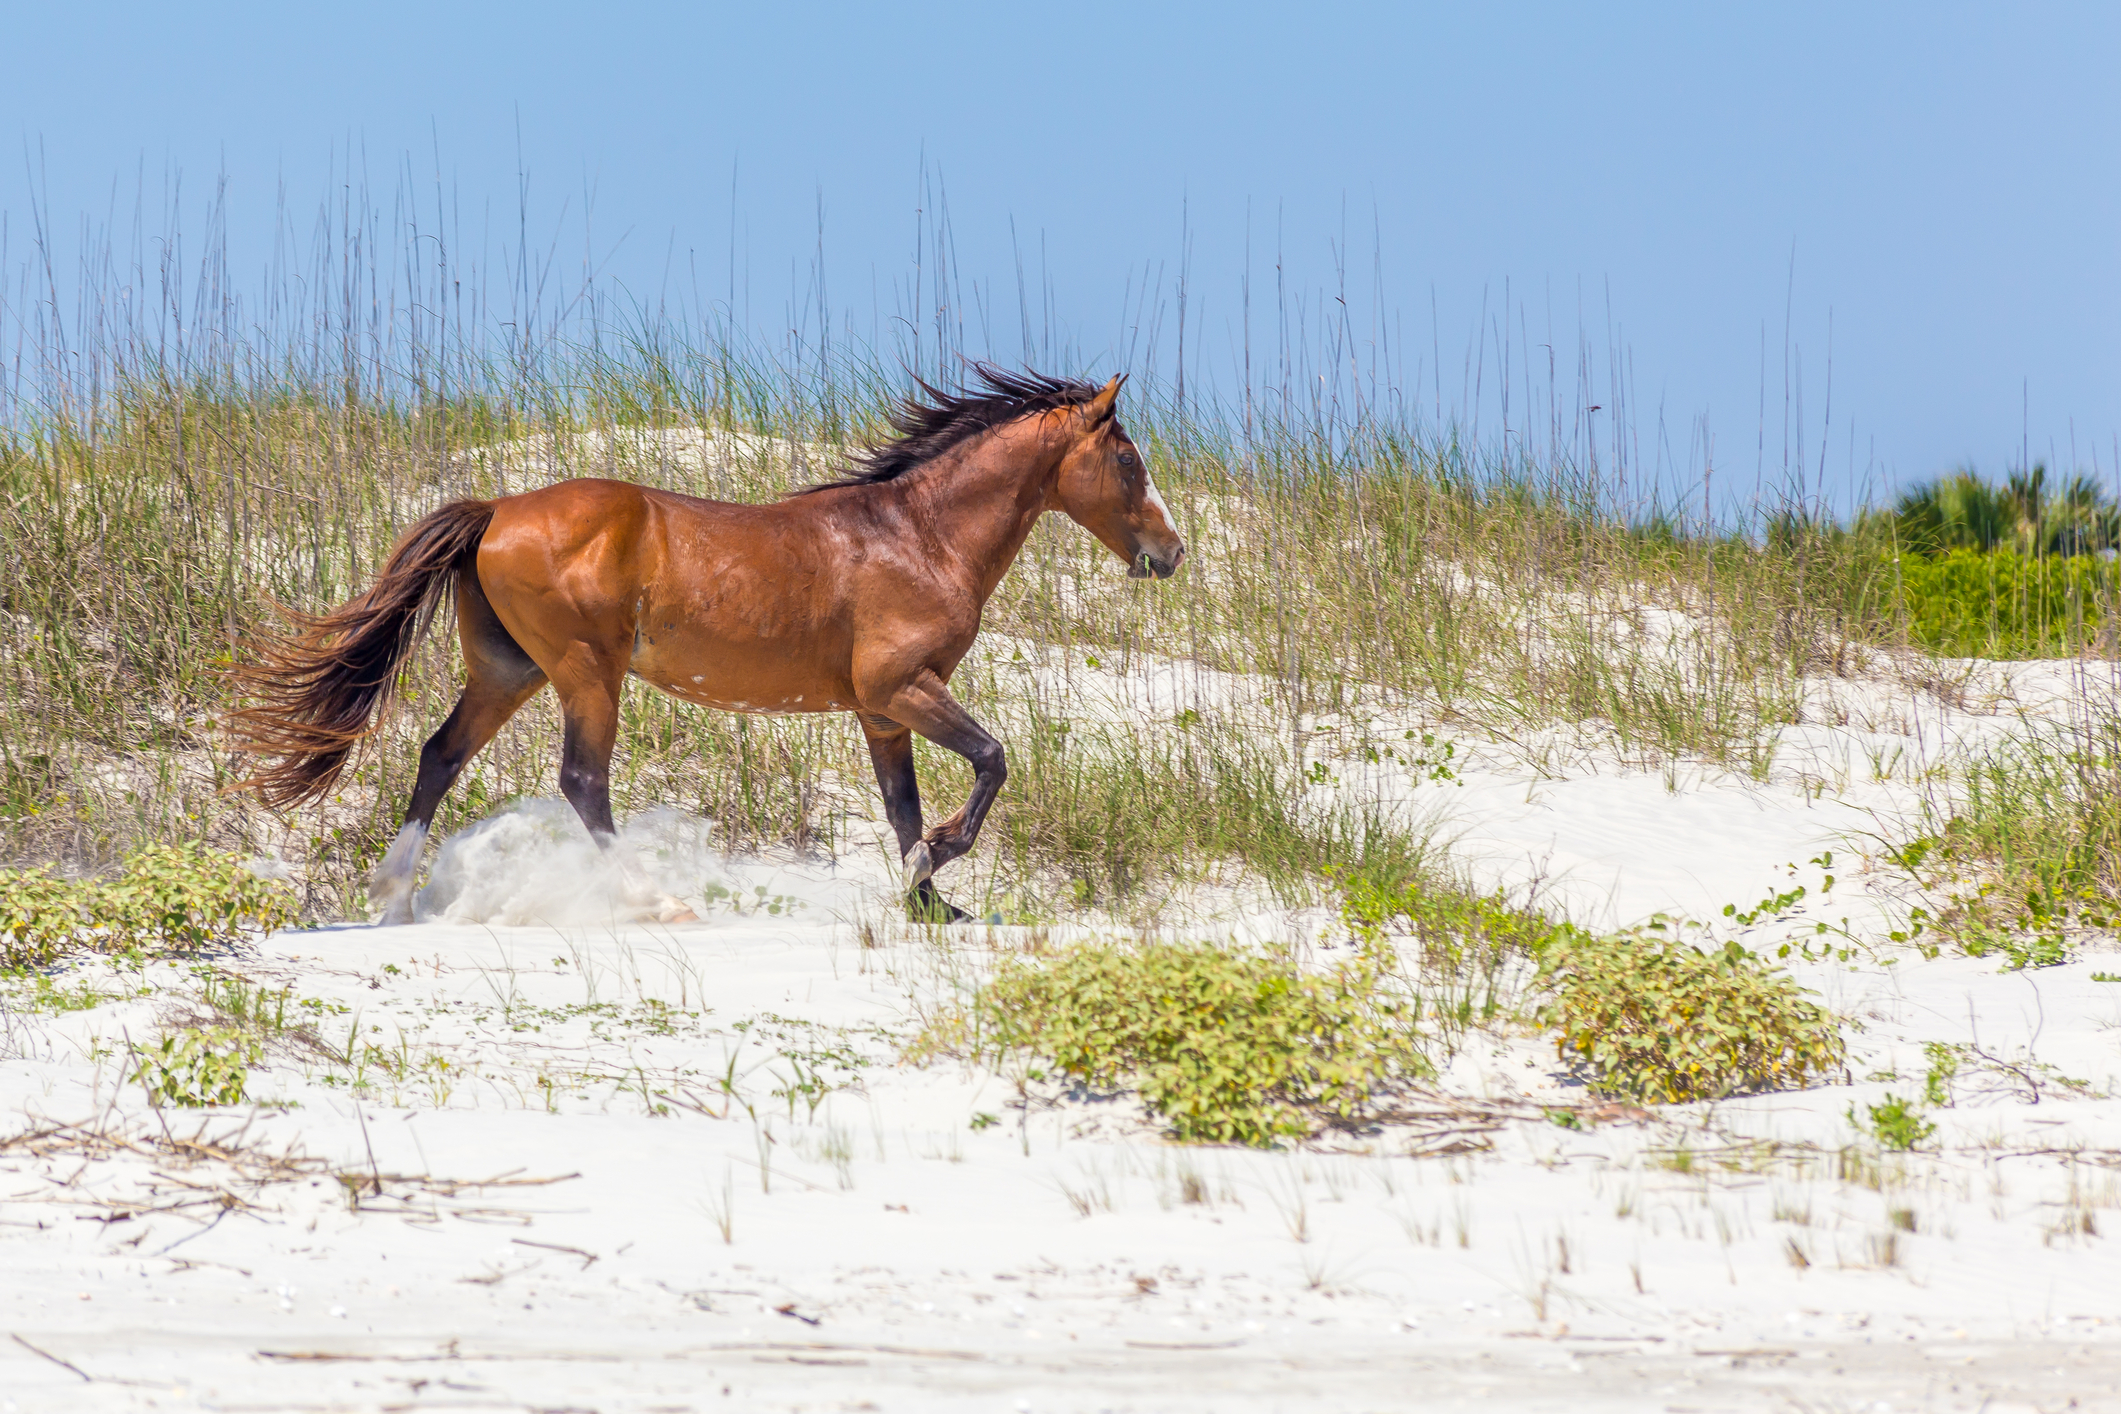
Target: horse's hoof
point(397, 906)
point(667, 910)
point(392, 883)
point(920, 863)
point(925, 905)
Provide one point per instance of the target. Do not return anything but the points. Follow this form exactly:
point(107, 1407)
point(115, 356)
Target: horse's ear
point(1100, 408)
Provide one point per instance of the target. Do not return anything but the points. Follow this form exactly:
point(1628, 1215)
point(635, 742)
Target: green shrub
point(184, 897)
point(1226, 1045)
point(197, 1066)
point(2004, 604)
point(1655, 1019)
point(41, 917)
point(170, 898)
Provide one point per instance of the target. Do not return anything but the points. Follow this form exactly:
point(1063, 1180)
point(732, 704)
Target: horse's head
point(1104, 487)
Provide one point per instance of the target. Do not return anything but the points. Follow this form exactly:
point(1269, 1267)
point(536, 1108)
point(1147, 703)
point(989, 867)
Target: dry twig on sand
point(223, 1169)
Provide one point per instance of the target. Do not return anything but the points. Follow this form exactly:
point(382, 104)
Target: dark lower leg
point(479, 713)
point(891, 753)
point(499, 678)
point(927, 707)
point(585, 775)
point(585, 779)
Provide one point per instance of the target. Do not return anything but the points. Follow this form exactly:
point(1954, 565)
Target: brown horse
point(860, 595)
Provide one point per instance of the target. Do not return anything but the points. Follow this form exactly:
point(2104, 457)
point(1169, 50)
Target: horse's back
point(568, 516)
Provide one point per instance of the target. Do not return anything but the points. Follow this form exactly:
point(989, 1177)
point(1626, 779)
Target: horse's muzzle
point(1146, 564)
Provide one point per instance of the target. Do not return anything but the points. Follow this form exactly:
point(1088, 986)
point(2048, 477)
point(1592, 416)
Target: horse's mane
point(938, 419)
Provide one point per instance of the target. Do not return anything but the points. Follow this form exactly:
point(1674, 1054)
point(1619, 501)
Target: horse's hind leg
point(589, 702)
point(590, 705)
point(499, 678)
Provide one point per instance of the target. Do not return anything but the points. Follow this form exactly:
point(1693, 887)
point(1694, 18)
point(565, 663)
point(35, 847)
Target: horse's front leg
point(891, 753)
point(926, 706)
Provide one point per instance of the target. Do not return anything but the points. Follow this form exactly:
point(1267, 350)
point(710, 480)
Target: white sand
point(883, 1253)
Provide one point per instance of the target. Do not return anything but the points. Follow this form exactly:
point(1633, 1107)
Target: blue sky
point(1716, 201)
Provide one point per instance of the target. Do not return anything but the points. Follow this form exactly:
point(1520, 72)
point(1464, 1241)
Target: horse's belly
point(737, 676)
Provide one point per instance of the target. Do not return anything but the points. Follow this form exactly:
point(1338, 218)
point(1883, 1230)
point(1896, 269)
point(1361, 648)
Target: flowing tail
point(318, 693)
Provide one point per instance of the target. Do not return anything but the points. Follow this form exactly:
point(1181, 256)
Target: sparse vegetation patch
point(1646, 1014)
point(2029, 850)
point(1468, 949)
point(198, 1066)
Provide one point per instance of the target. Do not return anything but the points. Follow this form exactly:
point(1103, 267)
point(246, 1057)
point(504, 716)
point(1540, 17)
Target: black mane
point(931, 425)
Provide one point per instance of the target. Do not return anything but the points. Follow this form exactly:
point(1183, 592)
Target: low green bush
point(184, 897)
point(41, 917)
point(1649, 1017)
point(1225, 1045)
point(169, 898)
point(2006, 604)
point(1658, 1020)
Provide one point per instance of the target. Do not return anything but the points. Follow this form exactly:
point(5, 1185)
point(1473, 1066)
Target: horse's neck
point(982, 508)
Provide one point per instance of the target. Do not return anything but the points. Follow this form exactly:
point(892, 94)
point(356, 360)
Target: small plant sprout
point(1944, 1061)
point(721, 1207)
point(837, 1149)
point(1895, 1123)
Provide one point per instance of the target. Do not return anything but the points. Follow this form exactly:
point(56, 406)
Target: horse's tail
point(318, 693)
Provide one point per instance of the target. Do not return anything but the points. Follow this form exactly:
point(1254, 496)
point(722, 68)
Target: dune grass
point(2029, 844)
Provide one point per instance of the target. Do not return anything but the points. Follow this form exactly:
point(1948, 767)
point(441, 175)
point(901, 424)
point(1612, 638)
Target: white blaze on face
point(1155, 498)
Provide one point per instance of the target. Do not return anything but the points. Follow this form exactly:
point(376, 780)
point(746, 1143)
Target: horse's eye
point(1126, 458)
